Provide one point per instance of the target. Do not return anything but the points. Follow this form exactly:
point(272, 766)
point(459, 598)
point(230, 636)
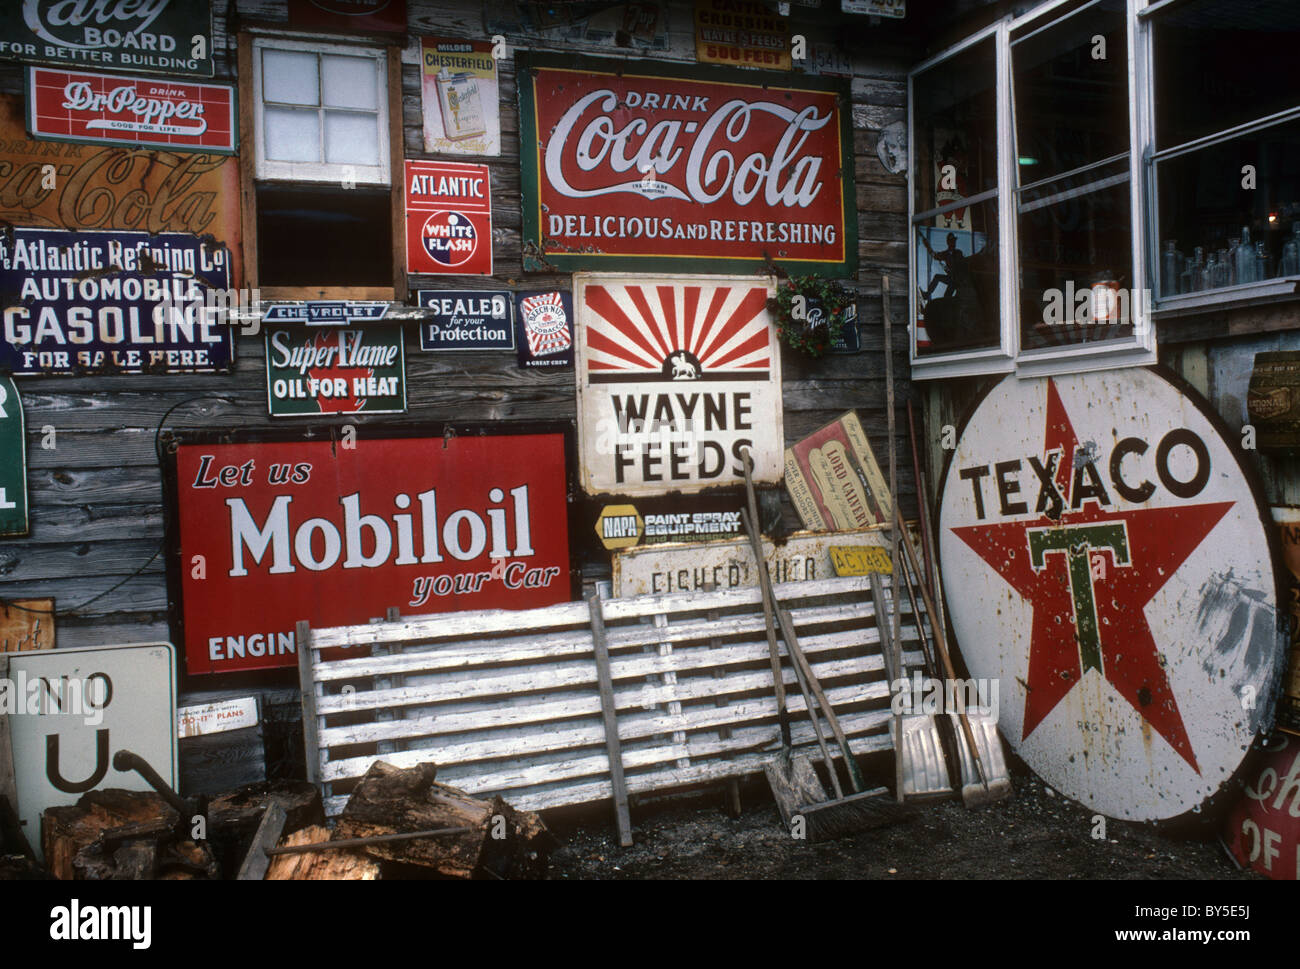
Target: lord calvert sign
point(683, 168)
point(677, 376)
point(272, 532)
point(1106, 559)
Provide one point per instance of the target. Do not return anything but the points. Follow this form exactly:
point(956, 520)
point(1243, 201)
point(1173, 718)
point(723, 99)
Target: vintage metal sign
point(545, 323)
point(462, 114)
point(148, 37)
point(1106, 560)
point(335, 371)
point(110, 109)
point(350, 16)
point(1262, 830)
point(221, 716)
point(677, 376)
point(744, 33)
point(448, 218)
point(13, 461)
point(69, 186)
point(326, 312)
point(834, 480)
point(1288, 523)
point(1273, 401)
point(292, 530)
point(70, 710)
point(683, 168)
point(804, 557)
point(111, 302)
point(467, 320)
point(875, 8)
point(707, 516)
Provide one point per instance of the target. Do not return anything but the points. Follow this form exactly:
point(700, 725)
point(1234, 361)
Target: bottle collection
point(1242, 262)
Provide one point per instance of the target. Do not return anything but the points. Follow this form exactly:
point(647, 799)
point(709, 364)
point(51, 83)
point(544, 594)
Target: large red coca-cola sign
point(677, 168)
point(268, 533)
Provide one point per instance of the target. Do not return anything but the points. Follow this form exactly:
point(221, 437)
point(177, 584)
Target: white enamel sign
point(1105, 558)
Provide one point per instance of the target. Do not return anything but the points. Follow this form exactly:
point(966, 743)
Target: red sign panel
point(1263, 829)
point(314, 530)
point(448, 218)
point(350, 16)
point(682, 168)
point(112, 109)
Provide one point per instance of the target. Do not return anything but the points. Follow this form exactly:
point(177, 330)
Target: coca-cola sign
point(110, 109)
point(677, 168)
point(270, 532)
point(148, 36)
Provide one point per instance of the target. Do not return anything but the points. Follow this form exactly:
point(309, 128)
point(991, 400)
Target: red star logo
point(1089, 611)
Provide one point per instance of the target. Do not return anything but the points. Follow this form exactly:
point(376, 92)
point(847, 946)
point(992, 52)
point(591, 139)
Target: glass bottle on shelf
point(1246, 262)
point(1290, 265)
point(1261, 261)
point(1221, 279)
point(1169, 269)
point(1198, 269)
point(1211, 272)
point(1233, 245)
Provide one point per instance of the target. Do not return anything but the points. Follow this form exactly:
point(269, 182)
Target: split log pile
point(333, 865)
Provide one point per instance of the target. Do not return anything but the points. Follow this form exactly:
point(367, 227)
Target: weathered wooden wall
point(96, 492)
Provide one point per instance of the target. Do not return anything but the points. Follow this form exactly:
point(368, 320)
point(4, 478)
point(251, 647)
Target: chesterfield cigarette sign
point(269, 533)
point(1106, 559)
point(677, 376)
point(681, 168)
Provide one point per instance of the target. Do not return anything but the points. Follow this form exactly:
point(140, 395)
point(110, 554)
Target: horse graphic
point(683, 369)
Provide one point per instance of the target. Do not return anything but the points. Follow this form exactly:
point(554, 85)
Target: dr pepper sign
point(667, 168)
point(448, 218)
point(270, 533)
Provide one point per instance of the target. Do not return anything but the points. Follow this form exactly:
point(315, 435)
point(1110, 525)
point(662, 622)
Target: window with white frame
point(1052, 280)
point(322, 112)
point(1225, 160)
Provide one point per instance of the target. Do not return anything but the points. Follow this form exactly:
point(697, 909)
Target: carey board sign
point(677, 376)
point(111, 109)
point(467, 320)
point(683, 168)
point(448, 218)
point(112, 302)
point(147, 36)
point(1107, 560)
point(310, 372)
point(293, 530)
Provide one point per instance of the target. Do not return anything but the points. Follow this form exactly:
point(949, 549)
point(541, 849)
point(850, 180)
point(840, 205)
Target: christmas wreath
point(809, 313)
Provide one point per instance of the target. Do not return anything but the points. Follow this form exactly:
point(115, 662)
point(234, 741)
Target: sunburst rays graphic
point(633, 329)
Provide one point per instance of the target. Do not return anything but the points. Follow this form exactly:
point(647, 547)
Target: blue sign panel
point(477, 320)
point(112, 302)
point(326, 312)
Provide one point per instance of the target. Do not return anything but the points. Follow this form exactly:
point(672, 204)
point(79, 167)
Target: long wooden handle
point(773, 651)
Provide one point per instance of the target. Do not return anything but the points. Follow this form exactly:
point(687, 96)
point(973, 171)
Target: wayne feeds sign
point(677, 376)
point(145, 36)
point(683, 168)
point(1107, 561)
point(112, 302)
point(272, 532)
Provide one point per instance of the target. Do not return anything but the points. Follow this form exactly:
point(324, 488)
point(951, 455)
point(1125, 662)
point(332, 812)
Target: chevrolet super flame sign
point(1105, 559)
point(683, 168)
point(676, 377)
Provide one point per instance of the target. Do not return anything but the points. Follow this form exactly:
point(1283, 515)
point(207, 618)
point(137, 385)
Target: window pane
point(1219, 64)
point(957, 279)
point(350, 234)
point(349, 82)
point(292, 134)
point(1215, 233)
point(955, 123)
point(1076, 258)
point(1071, 92)
point(289, 77)
point(351, 139)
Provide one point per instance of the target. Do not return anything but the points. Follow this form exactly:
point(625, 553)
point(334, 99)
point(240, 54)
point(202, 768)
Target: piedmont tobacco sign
point(676, 377)
point(1106, 559)
point(272, 532)
point(683, 168)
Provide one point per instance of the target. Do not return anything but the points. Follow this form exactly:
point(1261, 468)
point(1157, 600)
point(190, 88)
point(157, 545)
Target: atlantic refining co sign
point(679, 168)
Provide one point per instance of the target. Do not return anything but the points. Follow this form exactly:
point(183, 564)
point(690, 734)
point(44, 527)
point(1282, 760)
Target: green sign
point(313, 371)
point(13, 462)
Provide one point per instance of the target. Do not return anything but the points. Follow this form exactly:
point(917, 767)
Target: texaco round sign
point(1104, 557)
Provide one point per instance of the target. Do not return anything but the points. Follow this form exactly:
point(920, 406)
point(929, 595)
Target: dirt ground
point(1036, 834)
